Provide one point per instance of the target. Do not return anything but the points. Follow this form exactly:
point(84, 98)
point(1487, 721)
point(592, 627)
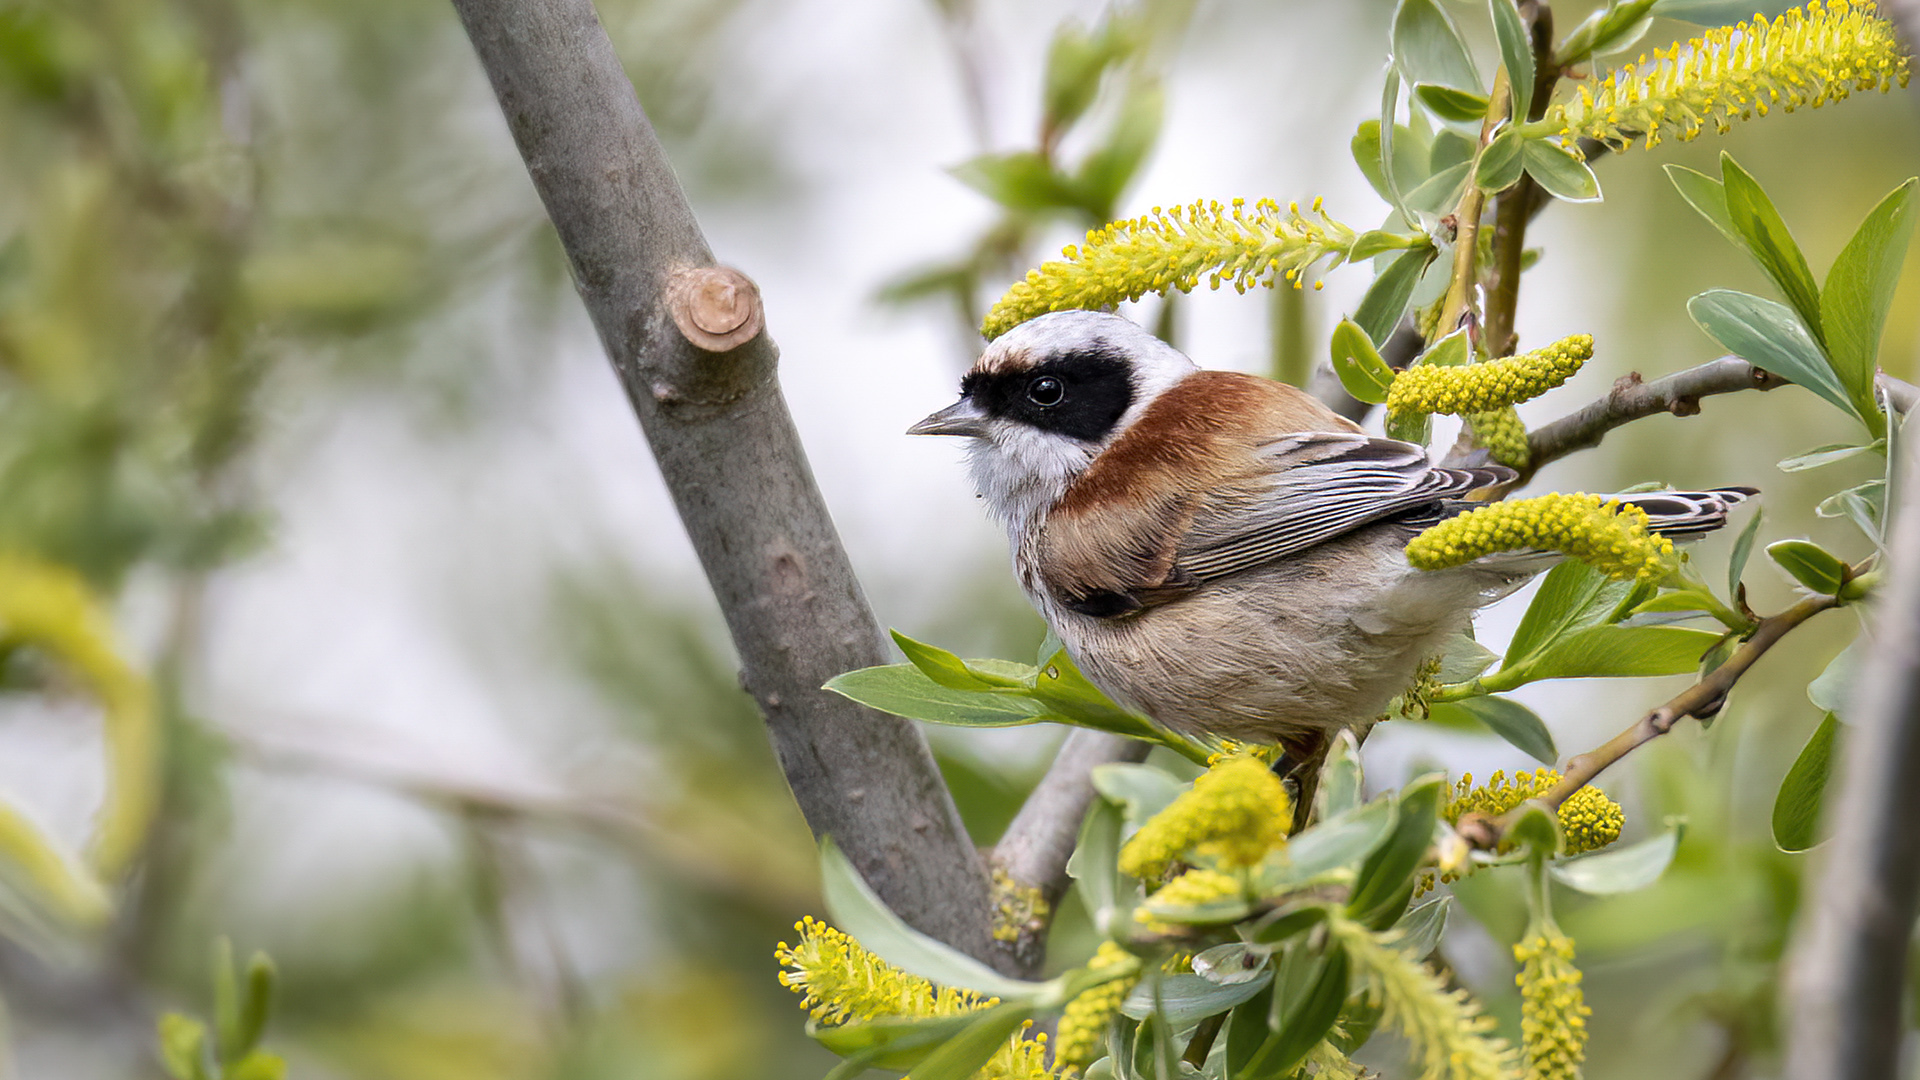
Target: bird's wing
point(1309, 488)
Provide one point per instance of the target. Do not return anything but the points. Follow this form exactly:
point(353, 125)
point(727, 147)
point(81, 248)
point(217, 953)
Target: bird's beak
point(962, 417)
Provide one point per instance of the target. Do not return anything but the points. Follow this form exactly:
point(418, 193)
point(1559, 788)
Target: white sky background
point(377, 627)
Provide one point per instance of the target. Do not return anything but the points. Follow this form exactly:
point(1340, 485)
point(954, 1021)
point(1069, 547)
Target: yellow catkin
point(1504, 436)
point(1589, 818)
point(1495, 384)
point(1235, 813)
point(1262, 244)
point(1450, 1037)
point(1082, 1038)
point(1806, 57)
point(839, 981)
point(1611, 537)
point(1191, 889)
point(1553, 1009)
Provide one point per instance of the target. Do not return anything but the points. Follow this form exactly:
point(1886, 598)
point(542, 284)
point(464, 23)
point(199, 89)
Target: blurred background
point(291, 373)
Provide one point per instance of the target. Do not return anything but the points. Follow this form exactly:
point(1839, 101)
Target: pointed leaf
point(1231, 964)
point(1501, 162)
point(1385, 882)
point(1796, 809)
point(1831, 689)
point(1334, 843)
point(1364, 374)
point(1766, 238)
point(1559, 171)
point(858, 912)
point(1810, 564)
point(1859, 289)
point(1095, 863)
point(1305, 1018)
point(1742, 549)
point(1449, 104)
point(1387, 298)
point(1706, 195)
point(1513, 722)
point(1187, 998)
point(1440, 193)
point(1770, 336)
point(1143, 790)
point(1427, 47)
point(904, 690)
point(1422, 928)
point(963, 1055)
point(1828, 454)
point(1621, 869)
point(1516, 53)
point(1572, 596)
point(1613, 652)
point(1340, 777)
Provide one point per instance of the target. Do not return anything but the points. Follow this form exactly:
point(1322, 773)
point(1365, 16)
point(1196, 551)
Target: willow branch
point(1703, 698)
point(685, 339)
point(1846, 982)
point(1517, 205)
point(1458, 302)
point(1631, 399)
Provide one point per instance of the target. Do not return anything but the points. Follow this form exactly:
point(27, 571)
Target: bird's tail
point(1686, 515)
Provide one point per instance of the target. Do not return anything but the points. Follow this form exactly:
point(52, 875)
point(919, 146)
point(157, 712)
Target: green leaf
point(1333, 843)
point(861, 914)
point(1022, 180)
point(1068, 695)
point(963, 1055)
point(1620, 869)
point(1831, 690)
point(1689, 600)
point(949, 670)
point(1385, 882)
point(1828, 454)
point(1095, 863)
point(1859, 289)
point(1413, 427)
point(1427, 47)
point(1770, 336)
point(1231, 964)
point(1340, 777)
point(1810, 564)
point(1449, 104)
point(1559, 171)
point(1384, 142)
point(1143, 790)
point(1379, 241)
point(1450, 351)
point(1422, 928)
point(257, 1065)
point(1187, 998)
point(1516, 53)
point(1304, 1018)
point(1765, 237)
point(1248, 1029)
point(890, 1043)
point(1461, 658)
point(1796, 809)
point(256, 1004)
point(1861, 505)
point(1742, 549)
point(1612, 652)
point(1278, 926)
point(1440, 193)
point(904, 690)
point(1513, 722)
point(1613, 26)
point(1364, 374)
point(1707, 196)
point(1449, 149)
point(1572, 596)
point(1076, 60)
point(1501, 162)
point(1387, 298)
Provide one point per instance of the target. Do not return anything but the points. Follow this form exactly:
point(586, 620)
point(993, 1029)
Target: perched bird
point(1217, 551)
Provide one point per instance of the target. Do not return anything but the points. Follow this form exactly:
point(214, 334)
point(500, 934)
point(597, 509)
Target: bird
point(1221, 552)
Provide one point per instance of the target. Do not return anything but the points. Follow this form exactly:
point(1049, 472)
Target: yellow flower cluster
point(1553, 1009)
point(1806, 57)
point(1083, 1026)
point(1172, 249)
point(1588, 817)
point(1611, 537)
point(1496, 384)
point(1450, 1036)
point(1191, 889)
point(839, 981)
point(1504, 436)
point(1236, 812)
point(1017, 909)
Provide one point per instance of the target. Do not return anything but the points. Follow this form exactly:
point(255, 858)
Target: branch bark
point(720, 431)
point(1631, 399)
point(1847, 972)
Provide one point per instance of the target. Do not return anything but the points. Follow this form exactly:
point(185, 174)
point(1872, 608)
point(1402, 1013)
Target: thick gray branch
point(1848, 972)
point(726, 445)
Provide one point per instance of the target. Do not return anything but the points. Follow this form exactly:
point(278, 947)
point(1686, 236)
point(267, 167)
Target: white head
point(1044, 400)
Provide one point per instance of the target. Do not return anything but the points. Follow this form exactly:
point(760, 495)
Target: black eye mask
point(1094, 391)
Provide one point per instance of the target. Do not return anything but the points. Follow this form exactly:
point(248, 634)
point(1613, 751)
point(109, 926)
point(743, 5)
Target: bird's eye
point(1046, 391)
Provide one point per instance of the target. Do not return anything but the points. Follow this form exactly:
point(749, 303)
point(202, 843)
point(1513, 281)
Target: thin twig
point(1703, 698)
point(1631, 399)
point(701, 378)
point(1459, 301)
point(1847, 973)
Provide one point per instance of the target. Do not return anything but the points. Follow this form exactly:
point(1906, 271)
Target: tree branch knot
point(716, 308)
